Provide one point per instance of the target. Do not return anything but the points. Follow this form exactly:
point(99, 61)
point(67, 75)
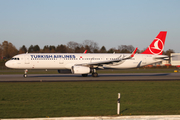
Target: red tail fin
point(156, 47)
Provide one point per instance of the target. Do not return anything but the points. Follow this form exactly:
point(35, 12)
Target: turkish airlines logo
point(157, 46)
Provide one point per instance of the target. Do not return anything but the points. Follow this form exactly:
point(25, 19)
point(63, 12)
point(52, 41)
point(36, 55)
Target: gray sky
point(108, 22)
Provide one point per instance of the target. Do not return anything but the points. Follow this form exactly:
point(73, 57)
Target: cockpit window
point(14, 58)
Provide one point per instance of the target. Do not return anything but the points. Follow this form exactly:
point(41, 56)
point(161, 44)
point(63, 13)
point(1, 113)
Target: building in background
point(175, 59)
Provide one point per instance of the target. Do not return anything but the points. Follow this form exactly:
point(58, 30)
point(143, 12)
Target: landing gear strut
point(94, 73)
point(25, 73)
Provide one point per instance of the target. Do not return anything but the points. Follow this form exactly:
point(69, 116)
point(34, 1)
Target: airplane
point(86, 63)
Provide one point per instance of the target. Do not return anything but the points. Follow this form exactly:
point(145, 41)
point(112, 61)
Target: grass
point(58, 99)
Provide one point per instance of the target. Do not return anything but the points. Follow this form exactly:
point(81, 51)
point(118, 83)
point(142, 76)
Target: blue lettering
point(50, 56)
point(35, 56)
point(67, 56)
point(53, 56)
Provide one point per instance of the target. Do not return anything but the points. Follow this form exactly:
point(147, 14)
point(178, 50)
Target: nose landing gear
point(25, 73)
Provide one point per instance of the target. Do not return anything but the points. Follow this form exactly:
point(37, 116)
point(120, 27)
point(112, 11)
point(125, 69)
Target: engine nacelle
point(80, 70)
point(63, 71)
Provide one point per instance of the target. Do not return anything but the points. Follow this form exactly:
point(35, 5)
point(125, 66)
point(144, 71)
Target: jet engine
point(80, 70)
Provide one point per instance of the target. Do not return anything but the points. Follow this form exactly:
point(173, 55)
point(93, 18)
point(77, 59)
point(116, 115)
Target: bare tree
point(30, 49)
point(1, 53)
point(93, 46)
point(36, 48)
point(5, 48)
point(61, 49)
point(11, 50)
point(72, 46)
point(86, 47)
point(77, 50)
point(168, 52)
point(111, 50)
point(8, 50)
point(46, 49)
point(126, 48)
point(103, 49)
point(52, 48)
point(23, 49)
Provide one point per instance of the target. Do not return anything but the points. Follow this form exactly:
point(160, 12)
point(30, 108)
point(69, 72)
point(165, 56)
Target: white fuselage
point(66, 61)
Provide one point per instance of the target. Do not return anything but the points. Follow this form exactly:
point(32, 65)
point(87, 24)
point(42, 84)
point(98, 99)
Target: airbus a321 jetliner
point(80, 63)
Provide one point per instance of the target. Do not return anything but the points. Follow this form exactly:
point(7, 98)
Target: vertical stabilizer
point(157, 46)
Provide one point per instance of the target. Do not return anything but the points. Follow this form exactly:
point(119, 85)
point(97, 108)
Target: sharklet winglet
point(133, 53)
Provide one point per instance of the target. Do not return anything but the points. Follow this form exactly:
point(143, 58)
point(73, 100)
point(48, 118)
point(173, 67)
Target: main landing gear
point(94, 73)
point(25, 73)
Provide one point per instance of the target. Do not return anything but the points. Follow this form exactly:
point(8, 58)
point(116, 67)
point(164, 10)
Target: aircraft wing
point(109, 61)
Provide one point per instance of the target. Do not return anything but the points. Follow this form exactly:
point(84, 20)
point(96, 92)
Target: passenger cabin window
point(14, 58)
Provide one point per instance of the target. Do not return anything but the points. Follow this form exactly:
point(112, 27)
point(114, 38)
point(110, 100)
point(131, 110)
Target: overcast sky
point(108, 22)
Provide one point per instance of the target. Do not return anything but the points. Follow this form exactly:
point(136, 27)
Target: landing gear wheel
point(95, 74)
point(25, 75)
point(84, 75)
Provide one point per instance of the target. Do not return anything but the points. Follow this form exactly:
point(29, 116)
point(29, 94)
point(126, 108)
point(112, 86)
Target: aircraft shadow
point(128, 75)
point(100, 75)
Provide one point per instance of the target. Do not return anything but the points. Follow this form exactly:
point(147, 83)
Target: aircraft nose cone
point(7, 64)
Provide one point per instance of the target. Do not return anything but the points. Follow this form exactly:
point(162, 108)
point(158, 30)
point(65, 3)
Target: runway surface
point(102, 77)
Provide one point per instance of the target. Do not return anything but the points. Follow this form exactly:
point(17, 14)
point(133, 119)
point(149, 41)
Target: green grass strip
point(58, 99)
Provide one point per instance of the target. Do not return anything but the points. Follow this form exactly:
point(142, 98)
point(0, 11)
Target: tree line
point(8, 50)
